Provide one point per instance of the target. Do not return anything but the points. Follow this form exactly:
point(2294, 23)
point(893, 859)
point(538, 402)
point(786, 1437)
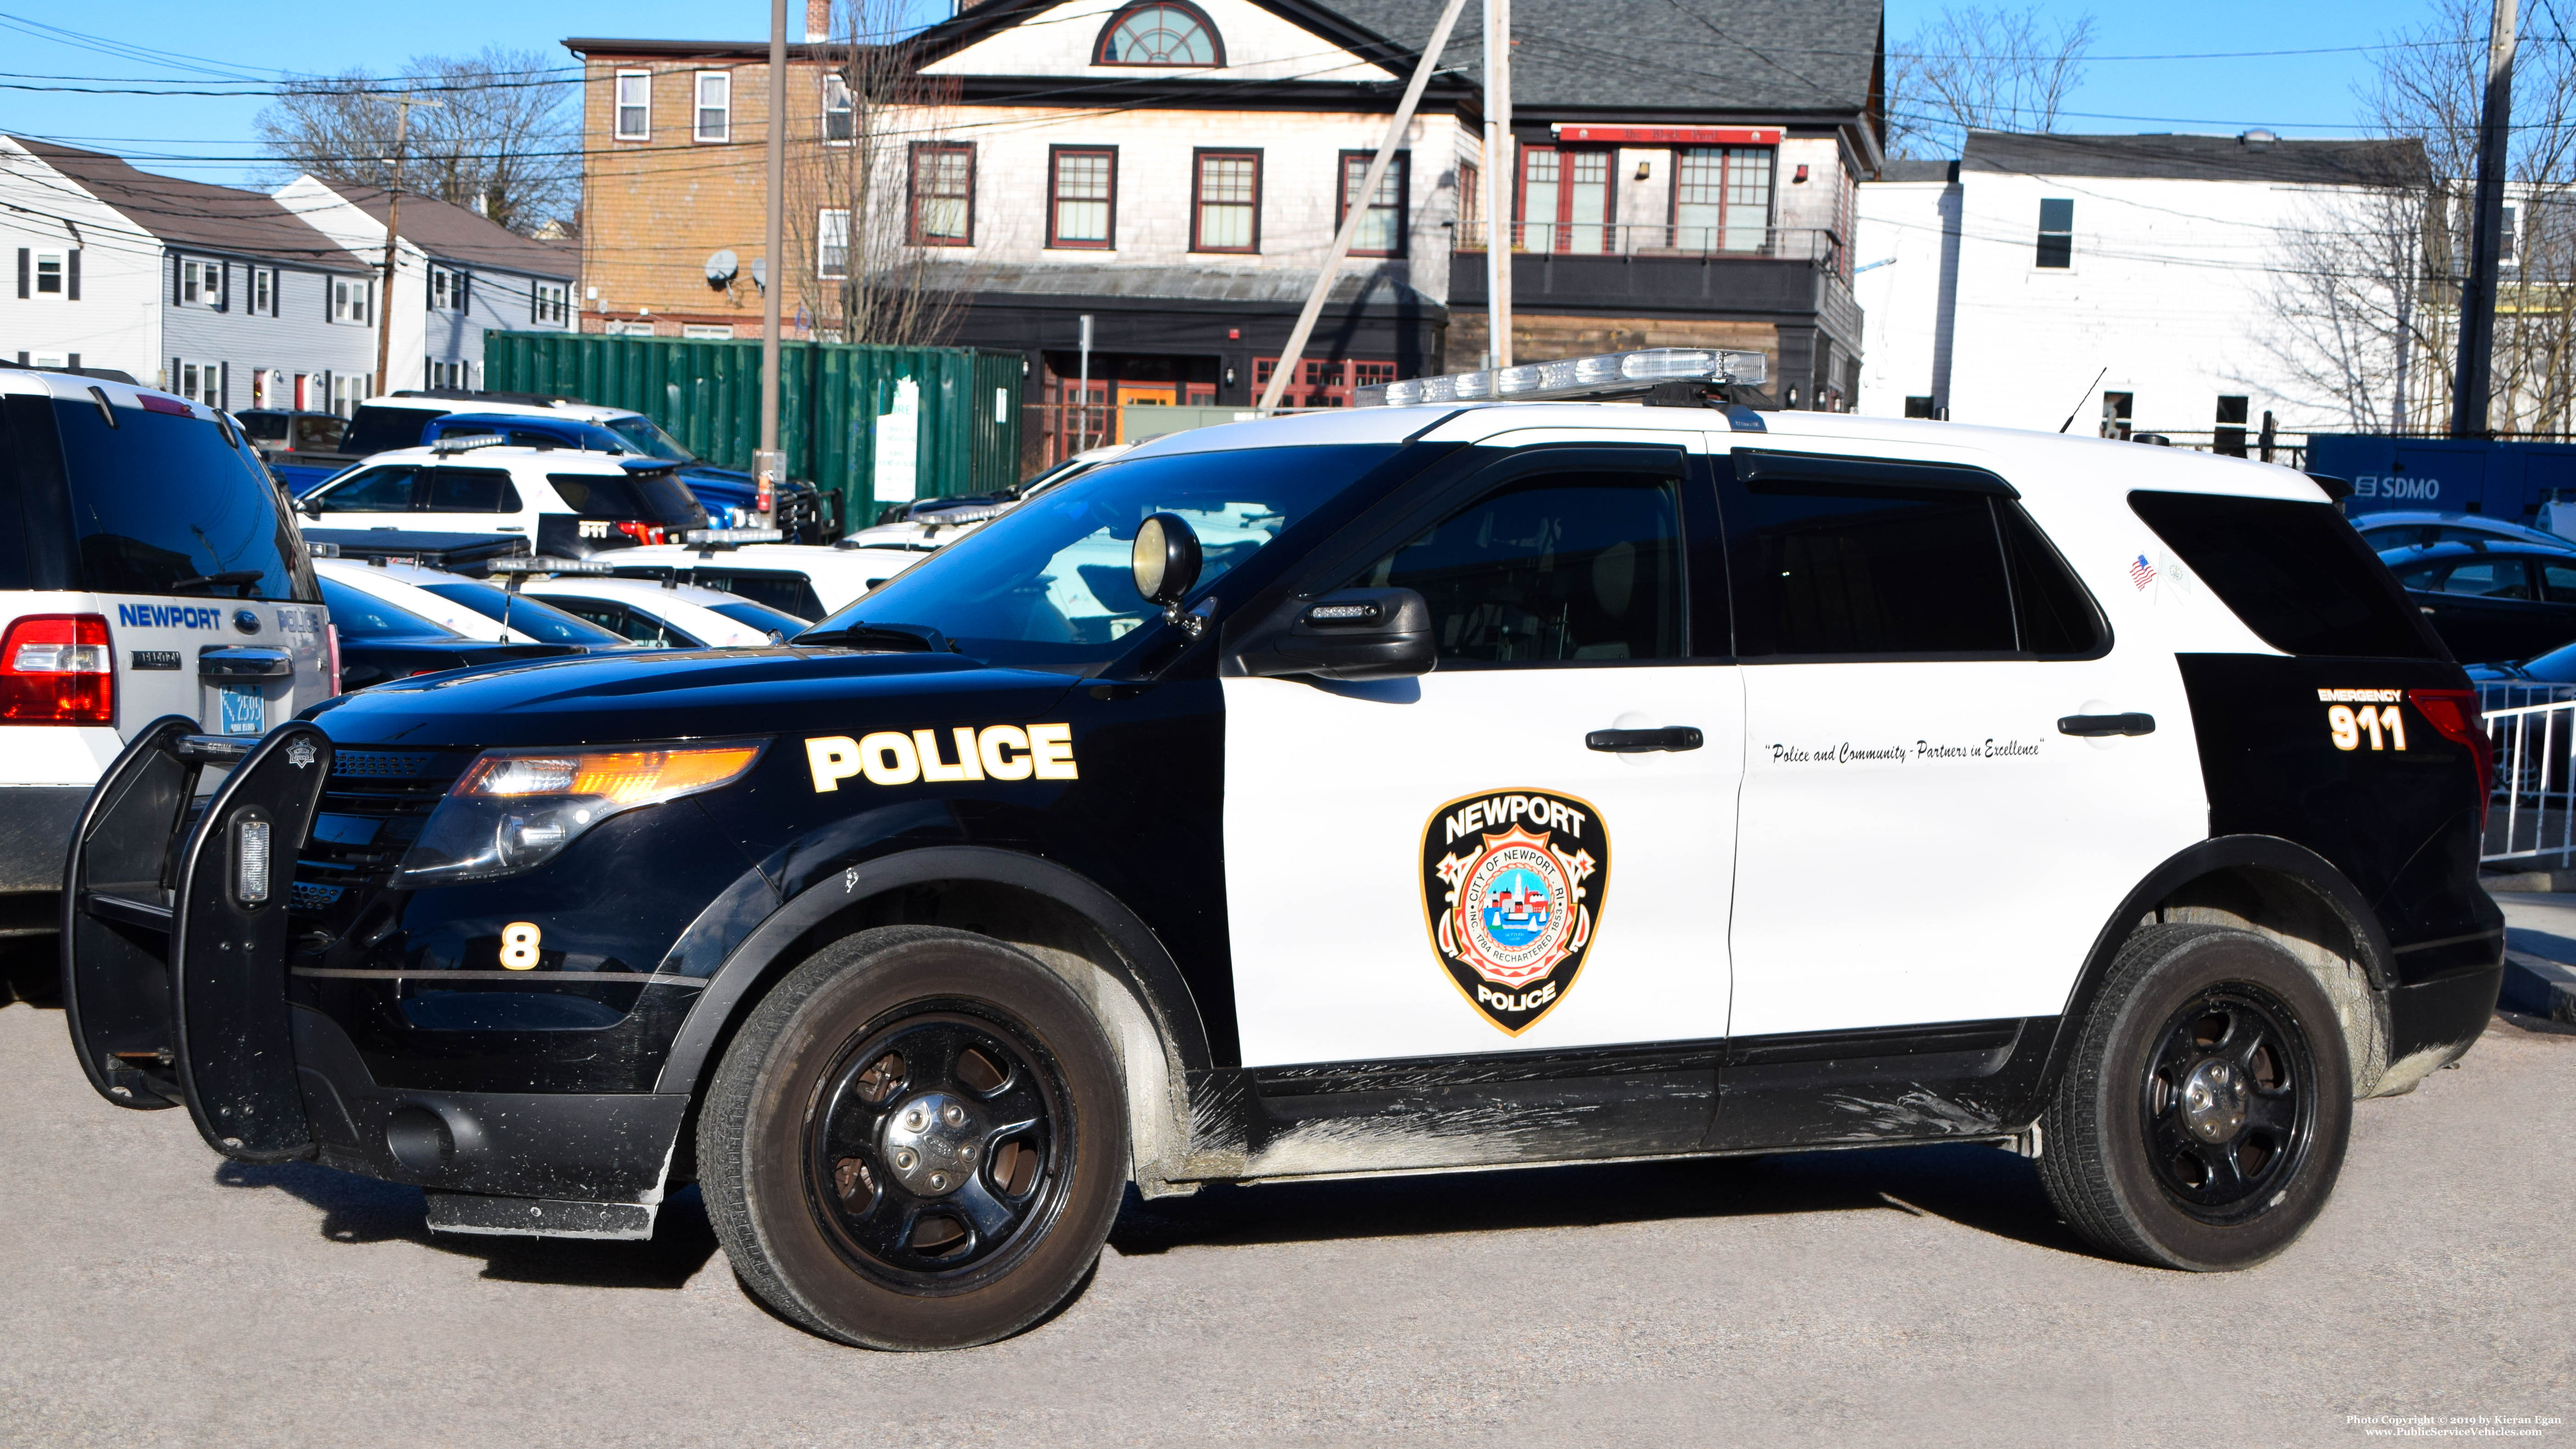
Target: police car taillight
point(1607, 374)
point(640, 532)
point(57, 669)
point(2453, 714)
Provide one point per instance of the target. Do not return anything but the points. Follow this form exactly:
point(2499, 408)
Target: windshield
point(757, 616)
point(358, 614)
point(650, 440)
point(539, 621)
point(1048, 585)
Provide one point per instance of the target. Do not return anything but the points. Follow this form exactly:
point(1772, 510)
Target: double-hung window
point(715, 105)
point(263, 291)
point(548, 303)
point(446, 289)
point(201, 382)
point(201, 284)
point(349, 299)
point(840, 110)
point(1082, 201)
point(1381, 232)
point(832, 244)
point(634, 105)
point(1225, 211)
point(49, 273)
point(943, 194)
point(2057, 233)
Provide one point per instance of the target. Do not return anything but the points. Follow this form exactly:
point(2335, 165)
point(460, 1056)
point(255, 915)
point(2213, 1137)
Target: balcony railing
point(1659, 239)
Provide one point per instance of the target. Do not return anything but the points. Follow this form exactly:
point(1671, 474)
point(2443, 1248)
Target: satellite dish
point(760, 272)
point(721, 267)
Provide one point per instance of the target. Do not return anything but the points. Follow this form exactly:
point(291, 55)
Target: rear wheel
point(2203, 1118)
point(918, 1141)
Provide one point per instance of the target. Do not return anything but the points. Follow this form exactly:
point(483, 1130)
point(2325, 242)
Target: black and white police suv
point(1402, 789)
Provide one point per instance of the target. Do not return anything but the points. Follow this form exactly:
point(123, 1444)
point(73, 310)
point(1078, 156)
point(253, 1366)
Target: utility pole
point(1357, 212)
point(2469, 394)
point(1499, 174)
point(393, 238)
point(771, 469)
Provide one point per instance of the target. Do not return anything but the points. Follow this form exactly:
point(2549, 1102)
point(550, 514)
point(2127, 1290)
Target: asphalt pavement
point(152, 1294)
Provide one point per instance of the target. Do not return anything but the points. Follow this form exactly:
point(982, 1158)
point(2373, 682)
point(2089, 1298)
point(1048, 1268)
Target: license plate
point(245, 713)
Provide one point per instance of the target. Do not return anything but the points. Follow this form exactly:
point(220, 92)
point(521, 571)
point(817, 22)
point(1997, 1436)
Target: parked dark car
point(303, 447)
point(379, 642)
point(2406, 528)
point(2495, 600)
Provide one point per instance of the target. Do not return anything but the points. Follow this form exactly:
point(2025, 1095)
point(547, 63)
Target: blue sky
point(209, 138)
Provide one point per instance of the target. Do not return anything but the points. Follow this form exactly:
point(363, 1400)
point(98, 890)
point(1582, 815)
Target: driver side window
point(1573, 567)
point(378, 490)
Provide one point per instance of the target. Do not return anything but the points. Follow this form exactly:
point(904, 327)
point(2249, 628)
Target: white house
point(457, 275)
point(212, 292)
point(2034, 264)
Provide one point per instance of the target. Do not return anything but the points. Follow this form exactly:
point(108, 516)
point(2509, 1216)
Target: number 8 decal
point(519, 945)
point(2385, 726)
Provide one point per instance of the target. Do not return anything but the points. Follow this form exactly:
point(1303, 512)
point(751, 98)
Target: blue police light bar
point(1608, 374)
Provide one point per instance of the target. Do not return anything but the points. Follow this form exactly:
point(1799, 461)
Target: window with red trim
point(1322, 382)
point(943, 194)
point(1082, 197)
point(1381, 233)
point(1225, 201)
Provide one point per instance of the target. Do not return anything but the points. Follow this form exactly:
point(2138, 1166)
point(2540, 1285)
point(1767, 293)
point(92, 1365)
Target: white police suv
point(567, 504)
point(148, 568)
point(1444, 785)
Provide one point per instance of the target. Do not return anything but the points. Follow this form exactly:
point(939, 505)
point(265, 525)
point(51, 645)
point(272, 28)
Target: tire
point(917, 1141)
point(2202, 1119)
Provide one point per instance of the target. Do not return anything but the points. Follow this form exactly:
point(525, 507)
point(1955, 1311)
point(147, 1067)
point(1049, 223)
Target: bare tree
point(864, 275)
point(2364, 304)
point(505, 139)
point(1970, 68)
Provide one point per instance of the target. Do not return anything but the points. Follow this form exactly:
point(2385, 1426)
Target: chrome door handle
point(1638, 742)
point(2090, 725)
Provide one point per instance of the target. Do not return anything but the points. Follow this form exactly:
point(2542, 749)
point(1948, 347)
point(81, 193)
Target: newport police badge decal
point(1512, 886)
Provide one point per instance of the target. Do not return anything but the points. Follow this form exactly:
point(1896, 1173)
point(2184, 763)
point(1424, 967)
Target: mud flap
point(228, 935)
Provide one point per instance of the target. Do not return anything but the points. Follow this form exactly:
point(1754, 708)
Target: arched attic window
point(1160, 33)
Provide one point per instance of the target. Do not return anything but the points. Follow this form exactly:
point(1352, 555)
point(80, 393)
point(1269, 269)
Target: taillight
point(58, 669)
point(2453, 713)
point(646, 533)
point(331, 637)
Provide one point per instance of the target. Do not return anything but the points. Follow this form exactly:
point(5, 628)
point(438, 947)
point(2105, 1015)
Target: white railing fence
point(2531, 815)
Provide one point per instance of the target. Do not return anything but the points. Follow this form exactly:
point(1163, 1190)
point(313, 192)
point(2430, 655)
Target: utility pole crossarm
point(1358, 211)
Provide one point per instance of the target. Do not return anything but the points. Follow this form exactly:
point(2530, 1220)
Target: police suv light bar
point(1608, 374)
point(726, 537)
point(544, 565)
point(467, 442)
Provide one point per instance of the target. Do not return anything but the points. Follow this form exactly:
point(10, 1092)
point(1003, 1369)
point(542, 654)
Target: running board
point(532, 1217)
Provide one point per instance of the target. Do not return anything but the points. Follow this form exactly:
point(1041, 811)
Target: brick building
point(1175, 170)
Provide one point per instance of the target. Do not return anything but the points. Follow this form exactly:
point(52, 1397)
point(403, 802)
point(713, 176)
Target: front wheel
point(917, 1141)
point(2202, 1120)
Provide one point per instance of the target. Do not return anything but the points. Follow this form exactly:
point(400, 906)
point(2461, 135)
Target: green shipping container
point(872, 425)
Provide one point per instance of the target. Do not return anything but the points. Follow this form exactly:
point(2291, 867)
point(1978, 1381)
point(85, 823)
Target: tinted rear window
point(158, 499)
point(2296, 573)
point(787, 593)
point(377, 429)
point(660, 497)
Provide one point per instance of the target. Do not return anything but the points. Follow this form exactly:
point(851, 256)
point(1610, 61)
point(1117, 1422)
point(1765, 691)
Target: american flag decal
point(2142, 573)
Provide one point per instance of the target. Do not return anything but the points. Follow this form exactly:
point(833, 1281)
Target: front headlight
point(514, 810)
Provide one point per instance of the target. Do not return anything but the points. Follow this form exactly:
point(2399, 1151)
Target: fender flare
point(1143, 965)
point(2258, 852)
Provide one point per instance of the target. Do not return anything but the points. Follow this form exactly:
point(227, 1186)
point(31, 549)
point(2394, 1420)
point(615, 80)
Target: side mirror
point(1166, 559)
point(1350, 634)
point(309, 506)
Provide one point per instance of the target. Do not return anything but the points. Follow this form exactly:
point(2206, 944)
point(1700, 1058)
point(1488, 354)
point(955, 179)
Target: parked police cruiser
point(1413, 787)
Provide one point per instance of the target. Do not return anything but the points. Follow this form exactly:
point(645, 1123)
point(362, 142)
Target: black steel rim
point(2229, 1103)
point(937, 1149)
